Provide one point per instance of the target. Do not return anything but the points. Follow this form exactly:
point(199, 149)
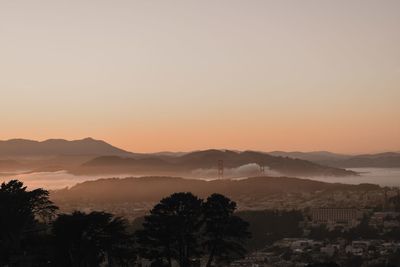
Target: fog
point(246, 170)
point(381, 176)
point(62, 179)
point(51, 180)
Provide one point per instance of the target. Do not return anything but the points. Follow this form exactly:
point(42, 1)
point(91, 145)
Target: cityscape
point(199, 133)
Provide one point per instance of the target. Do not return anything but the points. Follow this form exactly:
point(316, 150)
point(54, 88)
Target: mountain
point(169, 154)
point(315, 156)
point(90, 156)
point(204, 163)
point(381, 160)
point(155, 188)
point(10, 165)
point(16, 148)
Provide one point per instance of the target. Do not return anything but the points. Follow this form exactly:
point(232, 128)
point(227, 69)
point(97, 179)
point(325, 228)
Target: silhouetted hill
point(314, 156)
point(382, 160)
point(115, 163)
point(90, 156)
point(10, 165)
point(191, 163)
point(55, 147)
point(155, 188)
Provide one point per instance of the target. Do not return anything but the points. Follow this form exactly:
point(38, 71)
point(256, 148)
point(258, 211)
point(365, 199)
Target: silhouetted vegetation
point(23, 214)
point(181, 228)
point(225, 233)
point(269, 226)
point(89, 239)
point(323, 264)
point(184, 228)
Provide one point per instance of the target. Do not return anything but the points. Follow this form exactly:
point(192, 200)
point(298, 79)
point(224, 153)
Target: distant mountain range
point(380, 160)
point(315, 156)
point(21, 155)
point(155, 188)
point(90, 156)
point(205, 163)
point(58, 147)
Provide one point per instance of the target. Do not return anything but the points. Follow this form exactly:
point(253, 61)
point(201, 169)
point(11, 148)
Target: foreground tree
point(183, 228)
point(224, 232)
point(172, 230)
point(323, 264)
point(90, 239)
point(20, 213)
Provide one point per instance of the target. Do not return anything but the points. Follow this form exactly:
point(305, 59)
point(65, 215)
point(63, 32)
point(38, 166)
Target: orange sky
point(185, 75)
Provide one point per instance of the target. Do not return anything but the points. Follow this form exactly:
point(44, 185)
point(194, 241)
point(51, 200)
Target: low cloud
point(248, 170)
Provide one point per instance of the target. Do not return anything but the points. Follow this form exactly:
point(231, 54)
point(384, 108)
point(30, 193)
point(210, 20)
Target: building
point(333, 217)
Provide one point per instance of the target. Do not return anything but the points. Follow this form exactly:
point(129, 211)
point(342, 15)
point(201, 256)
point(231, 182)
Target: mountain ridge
point(55, 147)
point(156, 187)
point(378, 160)
point(61, 154)
point(206, 161)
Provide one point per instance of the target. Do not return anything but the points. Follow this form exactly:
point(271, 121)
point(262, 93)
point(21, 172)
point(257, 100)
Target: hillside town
point(348, 227)
point(343, 236)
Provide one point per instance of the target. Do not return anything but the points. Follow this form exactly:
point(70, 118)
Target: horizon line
point(201, 149)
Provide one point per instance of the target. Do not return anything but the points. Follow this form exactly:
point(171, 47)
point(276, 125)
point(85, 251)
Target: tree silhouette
point(172, 230)
point(323, 264)
point(224, 232)
point(89, 239)
point(20, 211)
point(362, 230)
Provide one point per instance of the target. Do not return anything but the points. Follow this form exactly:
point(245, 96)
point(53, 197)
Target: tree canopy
point(20, 210)
point(88, 239)
point(184, 228)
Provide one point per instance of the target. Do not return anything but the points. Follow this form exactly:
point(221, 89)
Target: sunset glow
point(186, 75)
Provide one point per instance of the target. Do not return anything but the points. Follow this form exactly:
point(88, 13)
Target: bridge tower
point(262, 169)
point(220, 169)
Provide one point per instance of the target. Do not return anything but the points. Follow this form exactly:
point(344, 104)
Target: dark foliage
point(89, 239)
point(172, 229)
point(181, 228)
point(323, 264)
point(20, 211)
point(269, 226)
point(224, 232)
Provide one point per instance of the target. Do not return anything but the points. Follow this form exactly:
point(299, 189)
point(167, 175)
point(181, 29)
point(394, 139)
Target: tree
point(319, 232)
point(88, 239)
point(323, 264)
point(363, 230)
point(224, 232)
point(269, 226)
point(172, 230)
point(20, 211)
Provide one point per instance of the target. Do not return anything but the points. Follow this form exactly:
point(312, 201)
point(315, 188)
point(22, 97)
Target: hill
point(205, 163)
point(90, 156)
point(15, 148)
point(155, 188)
point(10, 165)
point(382, 160)
point(314, 156)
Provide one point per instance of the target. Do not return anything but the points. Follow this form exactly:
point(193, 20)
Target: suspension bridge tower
point(220, 169)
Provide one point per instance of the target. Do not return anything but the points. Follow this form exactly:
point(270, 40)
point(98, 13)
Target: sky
point(182, 75)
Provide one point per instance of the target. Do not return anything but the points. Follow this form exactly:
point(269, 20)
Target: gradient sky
point(184, 75)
